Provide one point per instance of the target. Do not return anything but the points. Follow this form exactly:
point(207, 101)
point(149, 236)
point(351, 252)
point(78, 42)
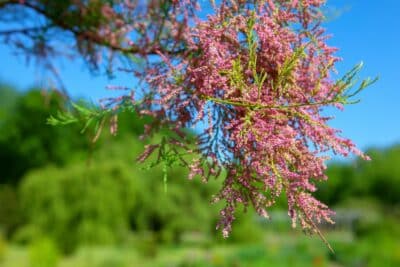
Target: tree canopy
point(252, 76)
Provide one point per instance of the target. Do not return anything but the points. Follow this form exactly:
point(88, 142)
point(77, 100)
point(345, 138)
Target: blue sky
point(362, 30)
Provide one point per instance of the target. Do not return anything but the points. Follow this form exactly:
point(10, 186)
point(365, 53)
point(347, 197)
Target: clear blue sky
point(367, 31)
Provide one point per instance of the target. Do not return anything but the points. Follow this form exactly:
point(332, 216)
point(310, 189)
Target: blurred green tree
point(26, 141)
point(378, 179)
point(101, 202)
point(80, 204)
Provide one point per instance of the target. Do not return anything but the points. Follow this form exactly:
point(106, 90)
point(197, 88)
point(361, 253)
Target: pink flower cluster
point(257, 76)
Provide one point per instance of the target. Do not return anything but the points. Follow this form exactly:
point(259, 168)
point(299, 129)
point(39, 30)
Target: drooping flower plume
point(258, 77)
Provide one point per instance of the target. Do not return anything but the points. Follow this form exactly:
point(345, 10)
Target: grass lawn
point(277, 249)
